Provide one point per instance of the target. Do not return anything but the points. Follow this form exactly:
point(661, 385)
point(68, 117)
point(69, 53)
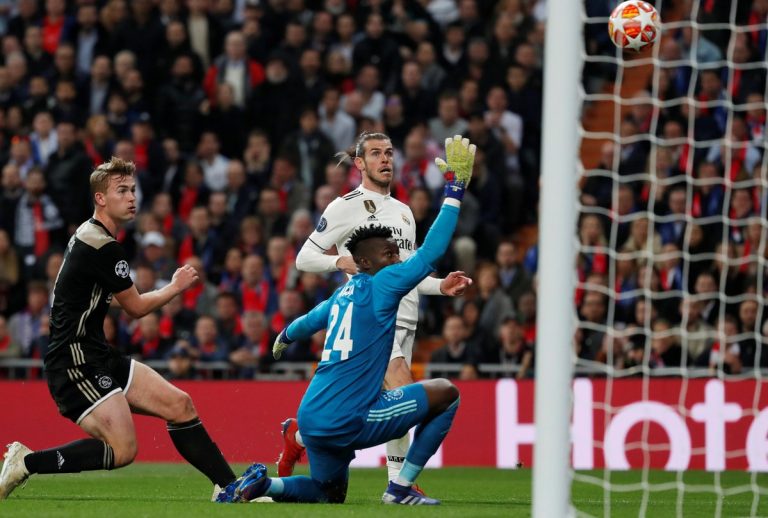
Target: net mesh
point(672, 241)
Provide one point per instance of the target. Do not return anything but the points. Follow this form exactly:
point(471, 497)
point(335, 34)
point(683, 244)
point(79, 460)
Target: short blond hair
point(115, 167)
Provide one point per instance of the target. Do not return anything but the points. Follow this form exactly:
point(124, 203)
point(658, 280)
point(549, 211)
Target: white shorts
point(402, 347)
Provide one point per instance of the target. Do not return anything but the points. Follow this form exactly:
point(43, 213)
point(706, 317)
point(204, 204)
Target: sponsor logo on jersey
point(322, 224)
point(105, 382)
point(122, 269)
point(405, 219)
point(369, 206)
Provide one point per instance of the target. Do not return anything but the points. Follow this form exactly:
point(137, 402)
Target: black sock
point(195, 445)
point(82, 455)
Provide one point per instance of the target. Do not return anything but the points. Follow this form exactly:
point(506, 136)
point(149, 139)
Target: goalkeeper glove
point(281, 344)
point(457, 166)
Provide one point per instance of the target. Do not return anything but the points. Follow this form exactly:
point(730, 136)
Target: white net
point(670, 346)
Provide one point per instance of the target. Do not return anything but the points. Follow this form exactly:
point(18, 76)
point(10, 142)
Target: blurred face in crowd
point(276, 250)
point(454, 330)
point(324, 195)
point(150, 326)
point(236, 176)
point(331, 98)
point(593, 307)
point(235, 46)
point(419, 203)
point(175, 33)
point(33, 39)
point(145, 279)
point(310, 63)
point(64, 59)
point(368, 78)
point(276, 71)
point(67, 135)
point(253, 269)
point(374, 26)
point(35, 183)
point(290, 303)
point(748, 315)
point(510, 333)
point(345, 27)
point(415, 148)
point(11, 179)
point(226, 308)
point(411, 75)
point(253, 325)
point(43, 124)
point(448, 110)
point(217, 206)
point(233, 262)
point(505, 255)
point(205, 330)
point(705, 284)
point(37, 299)
point(199, 221)
point(208, 147)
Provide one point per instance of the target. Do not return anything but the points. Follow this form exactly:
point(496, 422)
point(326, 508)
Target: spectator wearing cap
point(181, 363)
point(155, 253)
point(237, 69)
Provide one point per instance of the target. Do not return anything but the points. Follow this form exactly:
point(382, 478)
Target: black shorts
point(81, 377)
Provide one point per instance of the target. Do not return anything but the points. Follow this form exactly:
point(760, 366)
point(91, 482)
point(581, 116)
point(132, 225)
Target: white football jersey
point(363, 207)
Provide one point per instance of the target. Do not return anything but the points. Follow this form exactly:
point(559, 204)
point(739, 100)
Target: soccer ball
point(634, 24)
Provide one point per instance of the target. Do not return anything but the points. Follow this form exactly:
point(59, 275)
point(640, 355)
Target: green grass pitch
point(178, 490)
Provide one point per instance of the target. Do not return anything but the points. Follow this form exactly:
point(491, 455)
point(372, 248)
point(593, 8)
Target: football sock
point(296, 489)
point(82, 455)
point(427, 439)
point(195, 445)
point(396, 451)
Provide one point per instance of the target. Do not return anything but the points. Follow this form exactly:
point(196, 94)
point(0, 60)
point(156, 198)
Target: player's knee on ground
point(125, 451)
point(336, 492)
point(441, 394)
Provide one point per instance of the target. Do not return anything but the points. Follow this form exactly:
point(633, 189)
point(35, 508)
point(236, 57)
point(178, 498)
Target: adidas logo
point(59, 459)
point(372, 218)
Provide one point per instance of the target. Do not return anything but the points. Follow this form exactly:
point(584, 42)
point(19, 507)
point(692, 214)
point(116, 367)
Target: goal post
point(557, 217)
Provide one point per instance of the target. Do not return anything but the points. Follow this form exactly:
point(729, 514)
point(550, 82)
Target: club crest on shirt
point(322, 224)
point(122, 269)
point(393, 395)
point(405, 219)
point(369, 206)
point(105, 382)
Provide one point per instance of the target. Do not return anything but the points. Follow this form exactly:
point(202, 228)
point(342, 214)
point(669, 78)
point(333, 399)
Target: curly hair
point(363, 233)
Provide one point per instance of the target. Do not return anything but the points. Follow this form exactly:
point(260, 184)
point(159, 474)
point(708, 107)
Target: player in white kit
point(370, 203)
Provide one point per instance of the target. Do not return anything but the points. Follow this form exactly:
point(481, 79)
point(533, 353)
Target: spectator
point(227, 120)
point(665, 347)
point(8, 348)
point(275, 103)
point(180, 363)
point(514, 280)
point(178, 105)
point(235, 68)
point(12, 191)
point(11, 277)
point(455, 349)
point(514, 350)
point(255, 292)
point(43, 139)
point(448, 122)
point(334, 122)
point(214, 164)
point(229, 327)
point(39, 223)
point(254, 347)
point(379, 48)
point(148, 344)
point(312, 148)
point(176, 44)
point(26, 326)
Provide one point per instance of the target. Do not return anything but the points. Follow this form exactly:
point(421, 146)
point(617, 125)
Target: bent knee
point(182, 408)
point(125, 452)
point(448, 390)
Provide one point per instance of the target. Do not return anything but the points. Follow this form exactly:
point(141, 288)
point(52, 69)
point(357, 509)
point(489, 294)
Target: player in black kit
point(92, 384)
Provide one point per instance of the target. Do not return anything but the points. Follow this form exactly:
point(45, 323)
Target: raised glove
point(457, 166)
point(280, 345)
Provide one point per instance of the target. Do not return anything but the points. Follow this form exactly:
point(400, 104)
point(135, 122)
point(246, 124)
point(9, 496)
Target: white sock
point(298, 439)
point(396, 451)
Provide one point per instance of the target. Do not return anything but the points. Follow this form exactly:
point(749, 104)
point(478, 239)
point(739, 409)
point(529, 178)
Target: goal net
point(669, 396)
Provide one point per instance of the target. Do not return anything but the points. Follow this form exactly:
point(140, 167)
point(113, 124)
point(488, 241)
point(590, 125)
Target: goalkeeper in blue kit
point(344, 408)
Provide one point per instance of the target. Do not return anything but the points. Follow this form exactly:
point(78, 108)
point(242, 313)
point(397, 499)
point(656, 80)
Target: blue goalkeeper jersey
point(360, 320)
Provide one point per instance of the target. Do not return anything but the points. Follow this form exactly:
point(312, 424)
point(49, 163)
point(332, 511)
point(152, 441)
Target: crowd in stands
point(673, 236)
point(232, 111)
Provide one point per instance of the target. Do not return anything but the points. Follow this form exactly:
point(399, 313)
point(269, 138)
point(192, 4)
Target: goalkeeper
point(370, 203)
point(344, 408)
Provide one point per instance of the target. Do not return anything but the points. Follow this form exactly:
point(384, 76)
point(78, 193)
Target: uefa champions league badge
point(393, 395)
point(322, 224)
